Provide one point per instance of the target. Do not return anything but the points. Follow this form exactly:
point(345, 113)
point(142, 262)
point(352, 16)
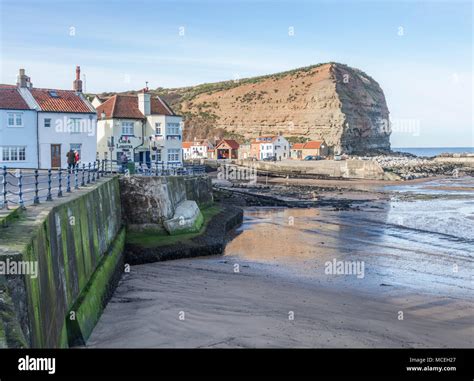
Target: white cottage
point(273, 146)
point(142, 127)
point(56, 122)
point(18, 132)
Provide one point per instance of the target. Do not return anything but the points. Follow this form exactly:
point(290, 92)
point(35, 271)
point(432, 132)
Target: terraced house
point(142, 127)
point(272, 146)
point(39, 126)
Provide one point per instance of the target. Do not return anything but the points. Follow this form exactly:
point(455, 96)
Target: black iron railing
point(20, 187)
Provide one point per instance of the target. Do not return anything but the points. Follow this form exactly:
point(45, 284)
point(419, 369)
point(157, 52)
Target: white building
point(142, 127)
point(63, 120)
point(197, 149)
point(18, 132)
point(270, 146)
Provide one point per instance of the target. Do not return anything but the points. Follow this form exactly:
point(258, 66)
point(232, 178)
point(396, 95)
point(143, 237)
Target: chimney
point(77, 84)
point(144, 100)
point(22, 80)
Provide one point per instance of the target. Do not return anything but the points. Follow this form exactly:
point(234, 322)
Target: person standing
point(71, 160)
point(76, 159)
point(124, 161)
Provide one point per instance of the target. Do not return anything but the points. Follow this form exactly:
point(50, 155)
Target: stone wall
point(77, 244)
point(148, 201)
point(357, 169)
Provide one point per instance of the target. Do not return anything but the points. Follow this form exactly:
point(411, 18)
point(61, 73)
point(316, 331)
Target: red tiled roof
point(66, 101)
point(11, 99)
point(187, 144)
point(126, 106)
point(313, 144)
point(230, 142)
point(160, 107)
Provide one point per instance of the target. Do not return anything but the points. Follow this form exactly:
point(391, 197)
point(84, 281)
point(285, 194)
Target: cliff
point(331, 101)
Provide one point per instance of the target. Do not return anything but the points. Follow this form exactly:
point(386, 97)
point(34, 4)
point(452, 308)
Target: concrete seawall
point(148, 201)
point(356, 169)
point(77, 246)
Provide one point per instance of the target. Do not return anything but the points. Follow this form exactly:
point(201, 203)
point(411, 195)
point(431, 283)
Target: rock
point(186, 219)
point(331, 101)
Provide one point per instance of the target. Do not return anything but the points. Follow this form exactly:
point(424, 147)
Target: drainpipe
point(143, 140)
point(37, 141)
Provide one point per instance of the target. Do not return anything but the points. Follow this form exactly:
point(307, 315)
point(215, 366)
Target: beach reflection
point(300, 242)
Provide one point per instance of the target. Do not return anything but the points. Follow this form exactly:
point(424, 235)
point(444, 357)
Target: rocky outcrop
point(149, 201)
point(187, 218)
point(332, 101)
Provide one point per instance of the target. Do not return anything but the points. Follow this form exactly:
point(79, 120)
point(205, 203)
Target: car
point(310, 157)
point(269, 158)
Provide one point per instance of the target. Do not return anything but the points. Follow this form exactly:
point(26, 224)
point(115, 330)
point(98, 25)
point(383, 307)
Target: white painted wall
point(59, 133)
point(24, 136)
point(281, 148)
point(164, 142)
point(113, 127)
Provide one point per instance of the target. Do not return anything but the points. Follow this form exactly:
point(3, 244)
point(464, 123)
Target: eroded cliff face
point(332, 101)
point(366, 117)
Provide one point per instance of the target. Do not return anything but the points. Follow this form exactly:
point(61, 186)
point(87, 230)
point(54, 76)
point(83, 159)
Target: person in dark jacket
point(71, 160)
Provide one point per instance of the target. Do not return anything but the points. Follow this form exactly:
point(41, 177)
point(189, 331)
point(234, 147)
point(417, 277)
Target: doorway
point(55, 155)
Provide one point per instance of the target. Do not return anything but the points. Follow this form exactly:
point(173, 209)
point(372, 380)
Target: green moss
point(11, 334)
point(153, 240)
point(11, 217)
point(195, 228)
point(90, 303)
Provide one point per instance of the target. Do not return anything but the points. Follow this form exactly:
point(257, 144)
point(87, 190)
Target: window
point(158, 128)
point(47, 122)
point(173, 154)
point(13, 153)
point(15, 119)
point(173, 129)
point(156, 156)
point(127, 128)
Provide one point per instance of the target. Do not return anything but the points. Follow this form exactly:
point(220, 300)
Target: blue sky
point(419, 52)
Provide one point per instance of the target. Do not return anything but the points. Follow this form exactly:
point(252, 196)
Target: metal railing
point(20, 187)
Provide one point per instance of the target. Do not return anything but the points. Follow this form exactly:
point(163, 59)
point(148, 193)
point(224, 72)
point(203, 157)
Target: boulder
point(187, 218)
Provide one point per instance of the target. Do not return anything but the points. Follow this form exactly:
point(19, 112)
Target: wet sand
point(416, 290)
point(252, 309)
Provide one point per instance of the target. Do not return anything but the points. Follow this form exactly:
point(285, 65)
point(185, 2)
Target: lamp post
point(110, 144)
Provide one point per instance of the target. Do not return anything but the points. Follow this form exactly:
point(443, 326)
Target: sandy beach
point(253, 308)
point(415, 291)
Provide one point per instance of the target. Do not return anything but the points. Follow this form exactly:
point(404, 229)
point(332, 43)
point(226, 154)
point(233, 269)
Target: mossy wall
point(70, 243)
point(148, 201)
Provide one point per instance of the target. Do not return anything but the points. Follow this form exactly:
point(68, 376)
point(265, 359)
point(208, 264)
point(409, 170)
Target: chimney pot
point(77, 84)
point(23, 80)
